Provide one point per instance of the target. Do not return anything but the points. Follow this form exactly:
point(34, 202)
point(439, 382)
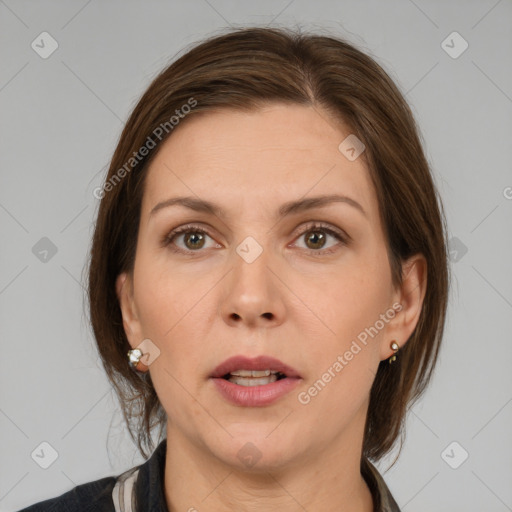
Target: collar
point(149, 486)
point(383, 500)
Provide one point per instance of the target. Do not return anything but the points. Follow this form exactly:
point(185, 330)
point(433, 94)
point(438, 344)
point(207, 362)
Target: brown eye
point(315, 239)
point(195, 239)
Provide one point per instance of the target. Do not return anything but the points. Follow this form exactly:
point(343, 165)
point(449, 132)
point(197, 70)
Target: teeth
point(246, 381)
point(252, 373)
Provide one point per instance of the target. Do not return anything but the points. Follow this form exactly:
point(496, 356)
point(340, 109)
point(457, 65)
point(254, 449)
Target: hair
point(245, 69)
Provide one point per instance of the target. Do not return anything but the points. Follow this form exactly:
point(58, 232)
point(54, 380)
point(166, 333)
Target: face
point(309, 286)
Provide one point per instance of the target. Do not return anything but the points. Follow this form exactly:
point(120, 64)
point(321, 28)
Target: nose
point(253, 292)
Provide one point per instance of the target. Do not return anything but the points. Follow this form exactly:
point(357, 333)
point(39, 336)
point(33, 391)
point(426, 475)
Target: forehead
point(250, 159)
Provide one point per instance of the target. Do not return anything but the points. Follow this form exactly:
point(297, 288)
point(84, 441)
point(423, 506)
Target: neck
point(328, 481)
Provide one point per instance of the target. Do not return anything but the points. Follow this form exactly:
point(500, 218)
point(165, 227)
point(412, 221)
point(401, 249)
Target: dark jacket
point(144, 485)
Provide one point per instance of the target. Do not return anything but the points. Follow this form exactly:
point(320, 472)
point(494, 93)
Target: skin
point(300, 306)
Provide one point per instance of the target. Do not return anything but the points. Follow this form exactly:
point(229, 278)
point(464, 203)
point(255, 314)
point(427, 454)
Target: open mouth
point(253, 377)
point(254, 382)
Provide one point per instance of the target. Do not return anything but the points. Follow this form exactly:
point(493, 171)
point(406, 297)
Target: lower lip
point(255, 396)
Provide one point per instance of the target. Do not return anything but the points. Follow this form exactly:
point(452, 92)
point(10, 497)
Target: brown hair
point(244, 69)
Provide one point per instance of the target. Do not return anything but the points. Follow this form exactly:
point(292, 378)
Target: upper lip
point(257, 363)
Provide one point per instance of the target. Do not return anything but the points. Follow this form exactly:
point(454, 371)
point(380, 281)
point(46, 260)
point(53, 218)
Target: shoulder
point(93, 496)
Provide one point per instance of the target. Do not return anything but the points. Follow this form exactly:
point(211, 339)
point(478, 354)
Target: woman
point(268, 279)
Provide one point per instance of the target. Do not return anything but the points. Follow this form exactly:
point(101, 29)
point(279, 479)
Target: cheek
point(162, 292)
point(158, 303)
point(349, 300)
point(343, 364)
point(175, 315)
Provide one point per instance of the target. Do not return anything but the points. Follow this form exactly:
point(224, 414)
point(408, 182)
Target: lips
point(258, 363)
point(254, 390)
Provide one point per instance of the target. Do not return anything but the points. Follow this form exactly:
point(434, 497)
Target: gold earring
point(394, 346)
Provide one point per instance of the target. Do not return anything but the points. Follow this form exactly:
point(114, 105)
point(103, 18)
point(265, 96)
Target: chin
point(254, 451)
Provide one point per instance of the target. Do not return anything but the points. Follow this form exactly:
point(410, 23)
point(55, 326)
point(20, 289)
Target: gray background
point(61, 117)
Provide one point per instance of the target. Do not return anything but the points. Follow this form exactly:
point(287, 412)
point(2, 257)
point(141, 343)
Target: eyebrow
point(289, 208)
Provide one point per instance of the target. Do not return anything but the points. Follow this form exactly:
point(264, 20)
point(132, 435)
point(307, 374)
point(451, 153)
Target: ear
point(408, 303)
point(131, 323)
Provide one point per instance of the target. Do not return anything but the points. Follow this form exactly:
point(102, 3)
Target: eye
point(316, 236)
point(194, 238)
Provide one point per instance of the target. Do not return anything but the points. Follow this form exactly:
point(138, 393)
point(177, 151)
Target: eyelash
point(190, 228)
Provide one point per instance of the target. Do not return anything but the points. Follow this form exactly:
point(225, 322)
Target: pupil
point(198, 236)
point(315, 235)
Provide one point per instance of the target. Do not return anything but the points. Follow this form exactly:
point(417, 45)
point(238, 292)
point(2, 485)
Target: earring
point(134, 357)
point(394, 346)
